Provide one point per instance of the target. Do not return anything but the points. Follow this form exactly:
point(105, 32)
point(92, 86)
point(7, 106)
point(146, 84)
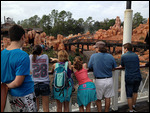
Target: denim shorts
point(42, 89)
point(131, 88)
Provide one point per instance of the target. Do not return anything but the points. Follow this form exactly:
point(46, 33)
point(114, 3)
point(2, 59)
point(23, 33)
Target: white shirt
point(40, 68)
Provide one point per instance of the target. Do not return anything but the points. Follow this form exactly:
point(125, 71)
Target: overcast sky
point(98, 10)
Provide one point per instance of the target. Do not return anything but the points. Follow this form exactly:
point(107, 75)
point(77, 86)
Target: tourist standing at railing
point(39, 65)
point(15, 72)
point(64, 95)
point(86, 90)
point(133, 78)
point(147, 40)
point(102, 64)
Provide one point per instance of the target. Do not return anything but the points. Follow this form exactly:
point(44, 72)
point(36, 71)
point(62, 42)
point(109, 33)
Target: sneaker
point(131, 110)
point(133, 107)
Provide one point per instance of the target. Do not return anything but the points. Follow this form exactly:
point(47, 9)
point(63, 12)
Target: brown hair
point(128, 46)
point(102, 49)
point(16, 32)
point(77, 63)
point(63, 56)
point(37, 50)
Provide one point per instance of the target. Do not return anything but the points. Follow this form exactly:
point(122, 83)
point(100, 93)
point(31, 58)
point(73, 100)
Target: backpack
point(61, 78)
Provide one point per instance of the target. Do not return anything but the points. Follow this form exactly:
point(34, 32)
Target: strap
point(66, 65)
point(56, 65)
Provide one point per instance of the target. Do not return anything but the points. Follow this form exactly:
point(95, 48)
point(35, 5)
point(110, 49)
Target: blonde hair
point(77, 63)
point(63, 56)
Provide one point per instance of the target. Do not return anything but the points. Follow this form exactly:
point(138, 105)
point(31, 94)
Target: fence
point(118, 100)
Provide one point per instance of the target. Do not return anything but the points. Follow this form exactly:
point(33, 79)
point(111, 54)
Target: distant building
point(8, 22)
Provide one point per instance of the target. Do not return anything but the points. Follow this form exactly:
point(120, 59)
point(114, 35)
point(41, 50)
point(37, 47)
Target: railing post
point(115, 98)
point(70, 105)
point(123, 92)
point(148, 87)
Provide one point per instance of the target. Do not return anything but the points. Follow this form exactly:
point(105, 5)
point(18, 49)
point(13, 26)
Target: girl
point(39, 65)
point(67, 91)
point(86, 90)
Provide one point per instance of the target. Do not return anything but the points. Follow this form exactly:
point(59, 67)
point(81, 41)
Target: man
point(130, 61)
point(102, 64)
point(147, 40)
point(15, 73)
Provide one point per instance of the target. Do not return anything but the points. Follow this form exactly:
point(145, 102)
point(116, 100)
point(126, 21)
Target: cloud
point(98, 10)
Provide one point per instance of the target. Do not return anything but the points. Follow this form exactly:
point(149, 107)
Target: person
point(102, 64)
point(39, 66)
point(133, 78)
point(64, 97)
point(86, 91)
point(147, 40)
point(15, 73)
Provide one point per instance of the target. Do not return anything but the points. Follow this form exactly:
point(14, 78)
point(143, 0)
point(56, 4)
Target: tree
point(34, 21)
point(46, 24)
point(137, 20)
point(88, 24)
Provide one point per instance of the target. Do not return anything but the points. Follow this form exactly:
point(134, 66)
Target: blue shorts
point(42, 89)
point(65, 94)
point(132, 87)
point(86, 93)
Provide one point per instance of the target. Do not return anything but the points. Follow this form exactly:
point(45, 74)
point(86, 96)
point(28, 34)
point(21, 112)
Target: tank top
point(82, 76)
point(40, 69)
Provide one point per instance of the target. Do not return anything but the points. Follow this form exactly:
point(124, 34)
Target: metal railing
point(117, 100)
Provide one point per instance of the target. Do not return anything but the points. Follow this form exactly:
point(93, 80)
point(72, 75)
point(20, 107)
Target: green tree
point(88, 24)
point(137, 20)
point(25, 23)
point(34, 21)
point(46, 24)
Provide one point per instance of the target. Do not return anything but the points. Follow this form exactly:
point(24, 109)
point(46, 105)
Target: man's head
point(16, 32)
point(100, 47)
point(127, 47)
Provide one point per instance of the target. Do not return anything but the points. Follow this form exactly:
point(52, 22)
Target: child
point(15, 73)
point(86, 90)
point(39, 65)
point(65, 96)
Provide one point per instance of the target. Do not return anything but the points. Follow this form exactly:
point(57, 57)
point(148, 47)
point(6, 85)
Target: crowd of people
point(26, 76)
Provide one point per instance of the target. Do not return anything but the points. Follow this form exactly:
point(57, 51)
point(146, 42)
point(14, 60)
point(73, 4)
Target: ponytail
point(78, 63)
point(37, 50)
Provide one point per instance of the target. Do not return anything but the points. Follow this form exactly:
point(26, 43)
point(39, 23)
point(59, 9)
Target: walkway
point(140, 107)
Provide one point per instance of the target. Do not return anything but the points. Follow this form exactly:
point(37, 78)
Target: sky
point(98, 10)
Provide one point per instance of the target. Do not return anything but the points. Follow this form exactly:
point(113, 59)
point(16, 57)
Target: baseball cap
point(99, 44)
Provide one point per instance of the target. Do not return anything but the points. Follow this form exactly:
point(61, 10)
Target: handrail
point(116, 101)
point(117, 68)
point(121, 68)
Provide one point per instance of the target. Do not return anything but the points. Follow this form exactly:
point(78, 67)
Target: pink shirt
point(82, 76)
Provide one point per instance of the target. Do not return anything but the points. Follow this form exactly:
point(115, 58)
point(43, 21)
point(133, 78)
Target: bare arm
point(53, 68)
point(70, 66)
point(84, 66)
point(53, 59)
point(17, 82)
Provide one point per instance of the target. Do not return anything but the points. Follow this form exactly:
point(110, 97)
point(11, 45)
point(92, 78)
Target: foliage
point(137, 20)
point(62, 23)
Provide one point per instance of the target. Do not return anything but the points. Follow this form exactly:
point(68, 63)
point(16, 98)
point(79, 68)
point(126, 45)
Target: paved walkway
point(140, 107)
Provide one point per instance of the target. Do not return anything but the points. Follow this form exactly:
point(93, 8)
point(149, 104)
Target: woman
point(86, 90)
point(39, 65)
point(65, 94)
